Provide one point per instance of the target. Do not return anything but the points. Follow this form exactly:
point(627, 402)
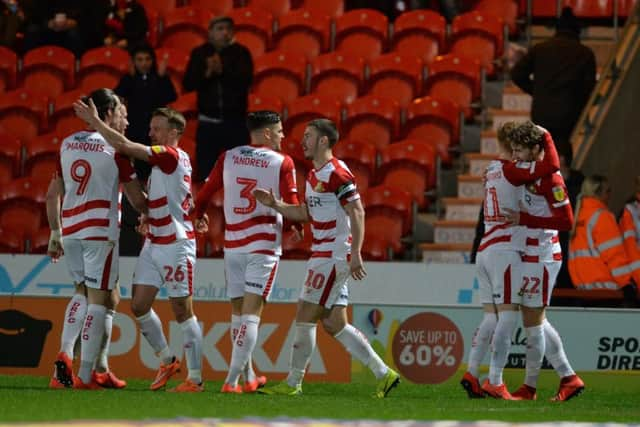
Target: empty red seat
point(434, 120)
point(296, 249)
point(176, 60)
point(419, 32)
point(372, 119)
point(280, 74)
point(337, 74)
point(264, 102)
point(12, 241)
point(8, 69)
point(23, 114)
point(185, 28)
point(275, 8)
point(22, 204)
point(102, 67)
point(303, 32)
point(591, 9)
point(333, 8)
point(362, 33)
point(455, 78)
point(361, 158)
point(388, 201)
point(306, 108)
point(63, 120)
point(10, 156)
point(409, 165)
point(625, 7)
point(387, 228)
point(38, 241)
point(395, 77)
point(376, 248)
point(217, 7)
point(42, 154)
point(507, 10)
point(479, 36)
point(188, 145)
point(48, 70)
point(161, 6)
point(253, 28)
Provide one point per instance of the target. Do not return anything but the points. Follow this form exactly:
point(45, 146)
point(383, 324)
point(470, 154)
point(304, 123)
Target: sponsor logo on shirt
point(558, 194)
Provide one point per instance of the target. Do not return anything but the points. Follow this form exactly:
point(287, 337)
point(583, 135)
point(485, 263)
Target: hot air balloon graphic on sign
point(375, 317)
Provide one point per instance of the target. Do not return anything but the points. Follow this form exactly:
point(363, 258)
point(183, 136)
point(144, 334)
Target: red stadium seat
point(409, 165)
point(217, 7)
point(337, 74)
point(478, 36)
point(102, 67)
point(390, 202)
point(419, 32)
point(48, 70)
point(455, 78)
point(161, 6)
point(189, 146)
point(264, 102)
point(362, 33)
point(10, 156)
point(187, 104)
point(387, 228)
point(153, 18)
point(333, 8)
point(309, 107)
point(185, 28)
point(361, 157)
point(625, 7)
point(22, 204)
point(507, 10)
point(303, 32)
point(375, 248)
point(275, 8)
point(253, 29)
point(434, 120)
point(372, 119)
point(63, 120)
point(591, 9)
point(541, 9)
point(177, 60)
point(42, 155)
point(395, 77)
point(39, 241)
point(12, 241)
point(8, 69)
point(23, 114)
point(280, 74)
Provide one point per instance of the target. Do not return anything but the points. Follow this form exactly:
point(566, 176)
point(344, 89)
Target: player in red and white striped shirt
point(334, 209)
point(547, 211)
point(169, 253)
point(89, 175)
point(253, 233)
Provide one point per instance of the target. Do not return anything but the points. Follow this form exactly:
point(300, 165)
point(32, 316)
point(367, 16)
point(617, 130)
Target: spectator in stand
point(11, 21)
point(597, 256)
point(564, 74)
point(630, 225)
point(573, 179)
point(146, 88)
point(221, 71)
point(126, 25)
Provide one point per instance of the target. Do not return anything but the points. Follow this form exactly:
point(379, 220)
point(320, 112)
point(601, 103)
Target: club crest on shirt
point(158, 149)
point(319, 188)
point(531, 188)
point(558, 193)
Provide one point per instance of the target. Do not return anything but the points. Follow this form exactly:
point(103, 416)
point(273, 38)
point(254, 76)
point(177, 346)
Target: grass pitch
point(609, 397)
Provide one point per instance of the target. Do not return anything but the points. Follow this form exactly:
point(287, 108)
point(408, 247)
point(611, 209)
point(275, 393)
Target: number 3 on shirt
point(80, 173)
point(246, 193)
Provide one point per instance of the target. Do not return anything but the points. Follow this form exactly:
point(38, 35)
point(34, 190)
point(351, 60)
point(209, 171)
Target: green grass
point(608, 397)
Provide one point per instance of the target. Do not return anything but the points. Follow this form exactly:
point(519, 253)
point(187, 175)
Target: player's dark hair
point(257, 120)
point(104, 99)
point(528, 135)
point(325, 127)
point(175, 119)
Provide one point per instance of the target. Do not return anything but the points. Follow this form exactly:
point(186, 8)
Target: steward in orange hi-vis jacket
point(597, 257)
point(630, 226)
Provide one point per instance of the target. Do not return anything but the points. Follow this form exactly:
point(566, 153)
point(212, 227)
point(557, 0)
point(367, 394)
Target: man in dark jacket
point(221, 72)
point(564, 74)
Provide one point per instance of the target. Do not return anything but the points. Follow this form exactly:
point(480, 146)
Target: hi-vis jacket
point(597, 257)
point(630, 229)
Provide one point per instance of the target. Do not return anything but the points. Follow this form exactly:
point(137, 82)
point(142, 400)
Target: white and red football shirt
point(250, 227)
point(91, 171)
point(170, 199)
point(547, 210)
point(328, 189)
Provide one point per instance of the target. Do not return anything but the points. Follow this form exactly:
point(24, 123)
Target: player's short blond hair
point(175, 119)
